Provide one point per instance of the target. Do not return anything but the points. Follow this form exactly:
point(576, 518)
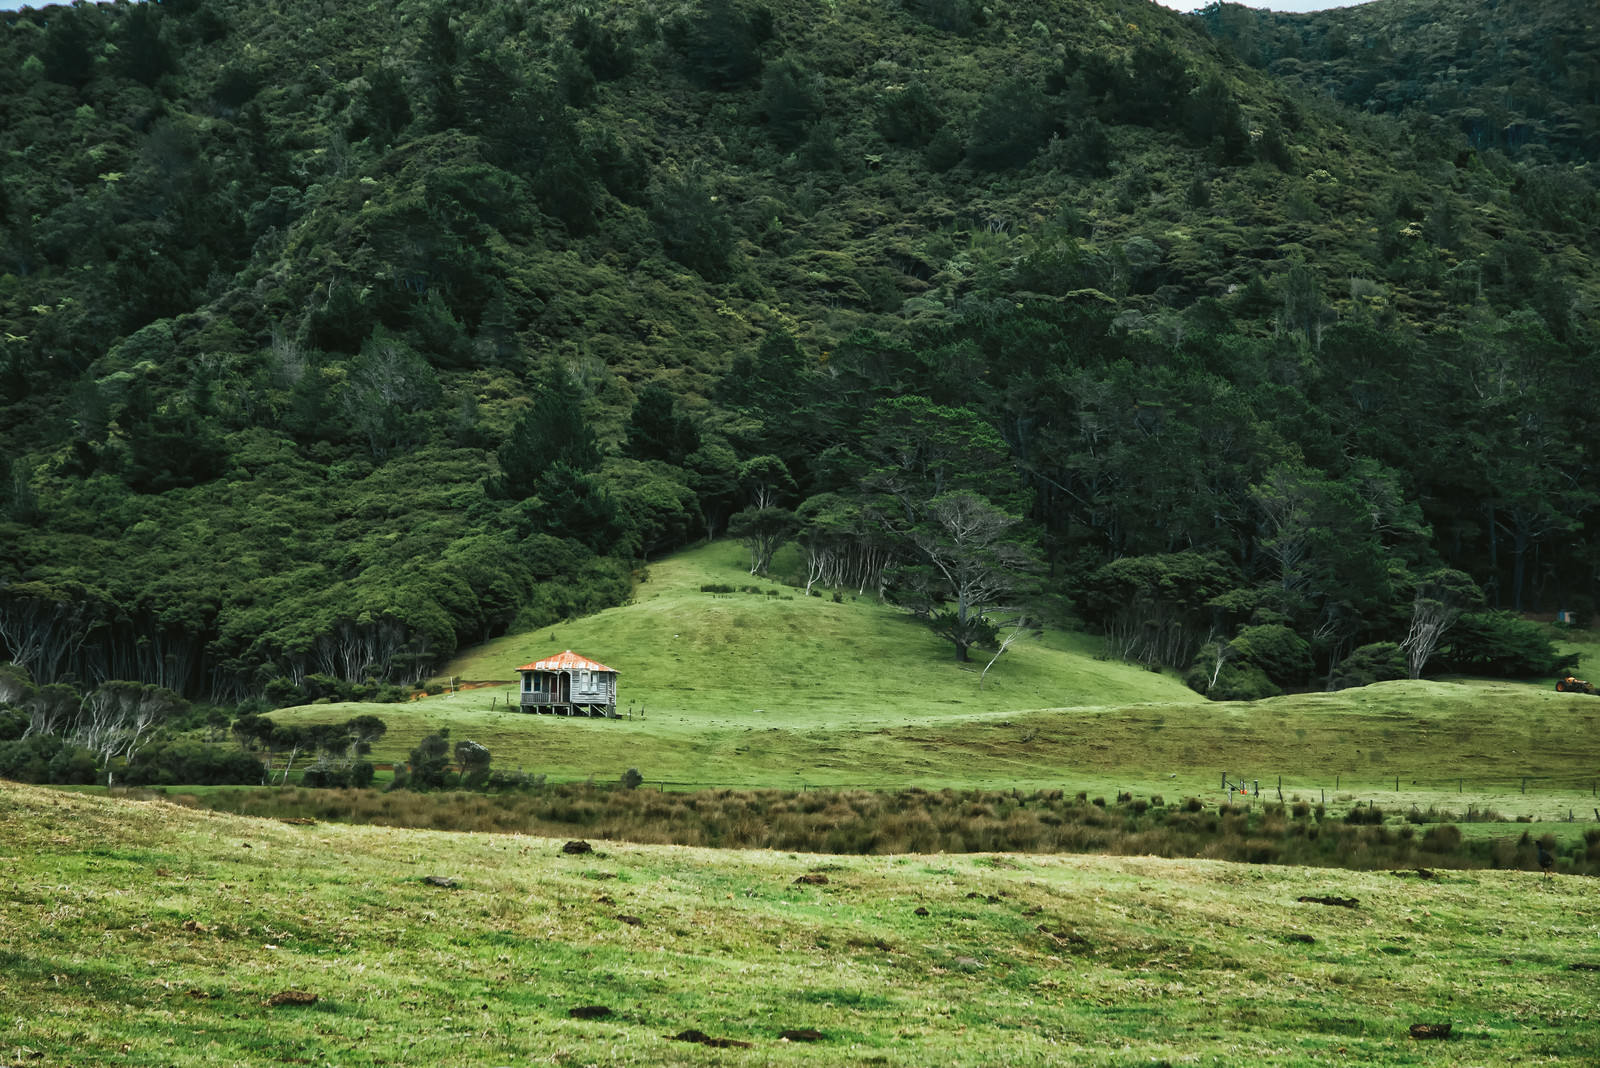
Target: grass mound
point(686, 648)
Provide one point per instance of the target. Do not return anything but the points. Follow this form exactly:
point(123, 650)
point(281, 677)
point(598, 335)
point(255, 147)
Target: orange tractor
point(1572, 685)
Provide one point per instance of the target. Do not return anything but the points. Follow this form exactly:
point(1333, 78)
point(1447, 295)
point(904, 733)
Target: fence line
point(1392, 783)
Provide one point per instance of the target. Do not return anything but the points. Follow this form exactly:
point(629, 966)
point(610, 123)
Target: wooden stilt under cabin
point(569, 685)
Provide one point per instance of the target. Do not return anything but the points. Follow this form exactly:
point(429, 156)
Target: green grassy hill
point(769, 651)
point(141, 933)
point(758, 688)
point(776, 689)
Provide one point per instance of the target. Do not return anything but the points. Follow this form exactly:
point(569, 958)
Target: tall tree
point(1440, 600)
point(985, 563)
point(552, 429)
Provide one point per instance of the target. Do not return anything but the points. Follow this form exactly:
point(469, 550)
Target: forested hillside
point(1522, 76)
point(340, 336)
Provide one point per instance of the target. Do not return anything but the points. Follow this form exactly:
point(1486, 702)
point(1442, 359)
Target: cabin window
point(527, 683)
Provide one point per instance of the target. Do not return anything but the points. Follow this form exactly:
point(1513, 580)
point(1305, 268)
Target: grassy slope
point(141, 933)
point(744, 690)
point(751, 689)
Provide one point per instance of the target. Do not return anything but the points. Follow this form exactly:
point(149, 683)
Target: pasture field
point(142, 933)
point(775, 689)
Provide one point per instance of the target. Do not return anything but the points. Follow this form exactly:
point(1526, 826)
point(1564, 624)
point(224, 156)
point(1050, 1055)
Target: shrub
point(72, 766)
point(474, 760)
point(631, 779)
point(187, 764)
point(430, 763)
point(1503, 644)
point(1378, 662)
point(325, 778)
point(1282, 654)
point(1442, 838)
point(1369, 815)
point(31, 759)
point(280, 693)
point(1237, 680)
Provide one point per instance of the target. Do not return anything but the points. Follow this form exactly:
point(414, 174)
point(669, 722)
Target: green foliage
point(175, 763)
point(606, 50)
point(910, 114)
point(261, 330)
point(1013, 122)
point(1281, 654)
point(577, 506)
point(1156, 609)
point(1236, 679)
point(429, 765)
point(472, 763)
point(791, 100)
point(1377, 662)
point(42, 758)
point(1503, 644)
point(951, 16)
point(763, 530)
point(693, 226)
point(659, 430)
point(1467, 87)
point(552, 430)
point(721, 43)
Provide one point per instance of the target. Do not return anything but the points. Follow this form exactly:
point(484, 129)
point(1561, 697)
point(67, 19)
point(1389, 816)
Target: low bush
point(188, 764)
point(1369, 815)
point(47, 759)
point(1379, 662)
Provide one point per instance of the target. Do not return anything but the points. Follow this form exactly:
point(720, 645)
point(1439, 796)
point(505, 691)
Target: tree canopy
point(336, 338)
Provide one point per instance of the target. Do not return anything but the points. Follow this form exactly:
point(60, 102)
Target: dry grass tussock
point(862, 822)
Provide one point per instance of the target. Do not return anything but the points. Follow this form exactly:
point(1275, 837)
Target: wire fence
point(1402, 783)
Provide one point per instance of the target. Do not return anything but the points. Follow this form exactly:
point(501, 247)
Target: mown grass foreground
point(142, 933)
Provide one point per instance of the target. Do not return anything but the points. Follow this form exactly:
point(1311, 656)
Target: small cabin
point(569, 685)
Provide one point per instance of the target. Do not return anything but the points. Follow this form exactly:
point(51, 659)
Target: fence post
point(1280, 787)
point(1524, 784)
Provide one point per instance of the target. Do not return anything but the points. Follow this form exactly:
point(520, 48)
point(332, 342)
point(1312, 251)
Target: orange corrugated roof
point(566, 661)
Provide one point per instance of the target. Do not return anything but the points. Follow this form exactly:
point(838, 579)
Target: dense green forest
point(339, 336)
